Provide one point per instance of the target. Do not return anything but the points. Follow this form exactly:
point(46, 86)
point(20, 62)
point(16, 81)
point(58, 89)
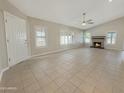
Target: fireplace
point(97, 45)
point(98, 42)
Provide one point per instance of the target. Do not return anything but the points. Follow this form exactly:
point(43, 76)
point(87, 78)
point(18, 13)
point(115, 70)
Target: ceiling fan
point(85, 22)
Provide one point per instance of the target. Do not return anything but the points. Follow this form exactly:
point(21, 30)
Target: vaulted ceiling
point(69, 12)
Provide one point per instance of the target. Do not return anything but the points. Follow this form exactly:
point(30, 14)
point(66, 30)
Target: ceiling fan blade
point(90, 22)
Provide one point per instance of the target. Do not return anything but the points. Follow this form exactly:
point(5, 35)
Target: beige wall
point(53, 36)
point(6, 6)
point(113, 26)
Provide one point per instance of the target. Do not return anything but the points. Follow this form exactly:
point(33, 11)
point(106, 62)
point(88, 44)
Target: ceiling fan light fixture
point(84, 24)
point(110, 1)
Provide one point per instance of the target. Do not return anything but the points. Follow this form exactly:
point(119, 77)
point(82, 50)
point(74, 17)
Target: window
point(70, 39)
point(40, 37)
point(66, 38)
point(111, 37)
point(87, 37)
point(81, 37)
point(62, 38)
point(62, 41)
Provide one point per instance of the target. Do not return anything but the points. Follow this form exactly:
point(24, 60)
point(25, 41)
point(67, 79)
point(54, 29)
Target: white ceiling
point(69, 12)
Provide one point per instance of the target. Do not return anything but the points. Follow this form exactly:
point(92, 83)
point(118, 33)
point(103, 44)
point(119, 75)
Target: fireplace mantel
point(98, 37)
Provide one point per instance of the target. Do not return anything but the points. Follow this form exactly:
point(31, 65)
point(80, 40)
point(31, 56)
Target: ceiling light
point(110, 0)
point(84, 24)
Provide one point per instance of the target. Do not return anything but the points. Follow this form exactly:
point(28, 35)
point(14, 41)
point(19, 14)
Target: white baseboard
point(2, 71)
point(117, 49)
point(19, 61)
point(52, 52)
point(114, 49)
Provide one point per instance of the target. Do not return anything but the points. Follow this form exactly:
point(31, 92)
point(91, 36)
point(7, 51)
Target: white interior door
point(16, 37)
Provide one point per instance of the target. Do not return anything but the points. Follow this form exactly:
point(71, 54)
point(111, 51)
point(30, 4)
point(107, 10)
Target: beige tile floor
point(74, 71)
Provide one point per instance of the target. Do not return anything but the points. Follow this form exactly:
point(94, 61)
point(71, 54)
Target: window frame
point(82, 37)
point(88, 38)
point(45, 37)
point(67, 40)
point(111, 38)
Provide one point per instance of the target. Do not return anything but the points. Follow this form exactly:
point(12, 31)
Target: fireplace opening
point(97, 45)
point(98, 42)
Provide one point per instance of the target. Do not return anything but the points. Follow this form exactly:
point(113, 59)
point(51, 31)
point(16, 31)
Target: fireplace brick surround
point(98, 42)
